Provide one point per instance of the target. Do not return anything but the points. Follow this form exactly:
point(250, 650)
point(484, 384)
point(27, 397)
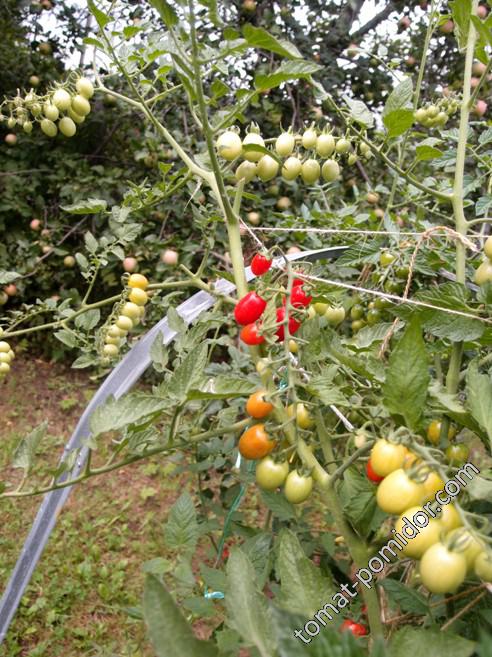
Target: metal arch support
point(121, 379)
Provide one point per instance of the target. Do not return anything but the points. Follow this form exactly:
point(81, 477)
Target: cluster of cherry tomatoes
point(129, 316)
point(286, 156)
point(256, 444)
point(250, 308)
point(434, 115)
point(59, 110)
point(484, 272)
point(447, 551)
point(6, 356)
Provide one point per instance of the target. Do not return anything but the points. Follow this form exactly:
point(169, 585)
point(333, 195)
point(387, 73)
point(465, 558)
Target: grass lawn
point(91, 570)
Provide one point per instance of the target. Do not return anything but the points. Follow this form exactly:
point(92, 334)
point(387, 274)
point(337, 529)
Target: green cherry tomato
point(271, 474)
point(457, 454)
point(373, 316)
point(381, 303)
point(297, 487)
point(386, 258)
point(402, 272)
point(357, 311)
point(483, 566)
point(442, 570)
point(398, 492)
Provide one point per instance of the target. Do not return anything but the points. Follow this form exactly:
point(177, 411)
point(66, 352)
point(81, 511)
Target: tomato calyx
point(249, 308)
point(350, 625)
point(250, 334)
point(260, 264)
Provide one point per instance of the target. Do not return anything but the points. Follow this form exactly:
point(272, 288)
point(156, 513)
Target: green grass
point(90, 572)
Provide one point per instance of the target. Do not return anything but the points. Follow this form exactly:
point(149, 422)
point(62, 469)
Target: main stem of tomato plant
point(453, 375)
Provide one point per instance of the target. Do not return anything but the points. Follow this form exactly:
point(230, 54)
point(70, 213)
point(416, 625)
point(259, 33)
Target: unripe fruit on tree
point(253, 138)
point(34, 81)
point(49, 128)
point(352, 50)
point(115, 332)
point(85, 87)
point(130, 264)
point(379, 212)
point(447, 27)
point(81, 105)
point(352, 159)
point(27, 127)
point(480, 108)
point(61, 99)
point(35, 224)
point(249, 6)
point(283, 203)
point(45, 232)
point(478, 68)
point(11, 139)
point(335, 315)
point(131, 310)
point(170, 257)
point(483, 273)
point(482, 11)
point(325, 145)
point(372, 198)
point(4, 368)
point(46, 249)
point(284, 144)
point(309, 138)
point(138, 280)
point(138, 296)
point(474, 82)
point(330, 170)
point(291, 168)
point(51, 111)
point(310, 171)
point(11, 123)
point(410, 61)
point(44, 48)
point(110, 350)
point(404, 23)
point(267, 168)
point(487, 248)
point(124, 323)
point(10, 290)
point(76, 118)
point(3, 298)
point(229, 145)
point(67, 127)
point(246, 171)
point(4, 347)
point(69, 261)
point(254, 218)
point(293, 249)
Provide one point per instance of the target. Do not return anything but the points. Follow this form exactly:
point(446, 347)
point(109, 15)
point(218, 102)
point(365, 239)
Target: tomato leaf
point(431, 642)
point(166, 12)
point(278, 505)
point(247, 607)
point(7, 277)
point(407, 376)
point(26, 450)
point(360, 501)
point(90, 206)
point(408, 599)
point(169, 632)
point(360, 112)
point(461, 12)
point(398, 121)
point(134, 408)
point(479, 396)
point(181, 529)
point(304, 589)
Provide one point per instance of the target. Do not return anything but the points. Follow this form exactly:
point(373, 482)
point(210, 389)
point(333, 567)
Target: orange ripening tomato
point(255, 443)
point(257, 406)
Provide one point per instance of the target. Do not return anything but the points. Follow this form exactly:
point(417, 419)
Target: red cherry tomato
point(298, 298)
point(260, 264)
point(293, 323)
point(297, 281)
point(250, 334)
point(249, 308)
point(371, 475)
point(357, 629)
